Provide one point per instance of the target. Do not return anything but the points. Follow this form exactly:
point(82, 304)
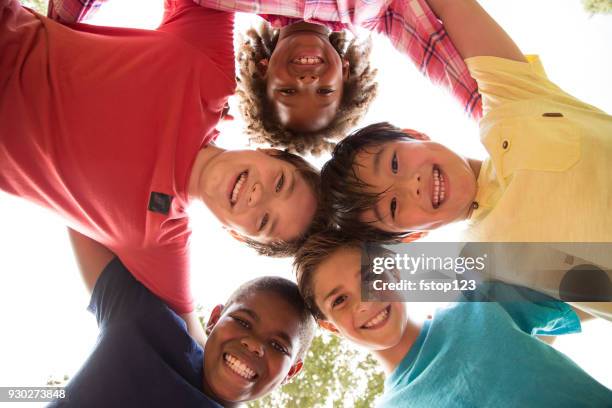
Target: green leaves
point(334, 374)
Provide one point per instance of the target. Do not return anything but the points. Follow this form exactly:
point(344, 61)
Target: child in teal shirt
point(475, 353)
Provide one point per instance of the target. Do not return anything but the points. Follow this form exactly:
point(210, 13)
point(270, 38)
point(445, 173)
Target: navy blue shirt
point(144, 356)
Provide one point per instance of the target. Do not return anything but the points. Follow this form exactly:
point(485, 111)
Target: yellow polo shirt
point(549, 174)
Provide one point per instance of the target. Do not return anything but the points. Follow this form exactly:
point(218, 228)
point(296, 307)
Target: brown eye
point(393, 207)
point(394, 165)
point(279, 347)
point(338, 301)
point(280, 183)
point(287, 91)
point(325, 91)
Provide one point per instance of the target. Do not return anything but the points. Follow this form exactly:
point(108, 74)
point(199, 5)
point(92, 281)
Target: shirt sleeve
point(502, 81)
point(164, 271)
point(209, 31)
point(415, 31)
point(117, 295)
point(73, 11)
point(533, 312)
point(411, 25)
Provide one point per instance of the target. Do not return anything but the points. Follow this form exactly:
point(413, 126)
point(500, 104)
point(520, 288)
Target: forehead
point(270, 311)
point(342, 267)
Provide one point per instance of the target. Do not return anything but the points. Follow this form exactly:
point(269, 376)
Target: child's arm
point(91, 256)
point(473, 31)
point(194, 327)
point(410, 25)
point(73, 11)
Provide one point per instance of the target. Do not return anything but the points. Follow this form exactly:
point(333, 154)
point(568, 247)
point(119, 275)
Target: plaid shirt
point(411, 26)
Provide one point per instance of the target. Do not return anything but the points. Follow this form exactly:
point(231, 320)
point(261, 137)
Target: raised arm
point(73, 11)
point(91, 256)
point(473, 31)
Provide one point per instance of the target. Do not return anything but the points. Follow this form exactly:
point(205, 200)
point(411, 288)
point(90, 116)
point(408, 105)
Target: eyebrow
point(285, 337)
point(249, 312)
point(331, 293)
point(377, 160)
point(290, 189)
point(337, 288)
point(377, 213)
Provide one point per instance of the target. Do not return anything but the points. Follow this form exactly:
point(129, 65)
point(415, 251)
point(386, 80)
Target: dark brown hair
point(345, 196)
point(317, 248)
point(262, 122)
point(287, 291)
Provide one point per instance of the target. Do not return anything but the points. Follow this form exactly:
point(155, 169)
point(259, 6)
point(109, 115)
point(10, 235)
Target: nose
point(412, 187)
point(255, 195)
point(253, 346)
point(307, 79)
point(363, 307)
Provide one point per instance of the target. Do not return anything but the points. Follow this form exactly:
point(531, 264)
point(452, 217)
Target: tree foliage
point(333, 375)
point(38, 5)
point(598, 6)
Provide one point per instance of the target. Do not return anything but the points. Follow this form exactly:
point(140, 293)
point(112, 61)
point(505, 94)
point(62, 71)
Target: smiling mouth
point(307, 60)
point(238, 185)
point(379, 320)
point(438, 192)
point(239, 367)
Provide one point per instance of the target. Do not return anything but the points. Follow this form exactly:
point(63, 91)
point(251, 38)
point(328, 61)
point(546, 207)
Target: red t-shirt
point(102, 126)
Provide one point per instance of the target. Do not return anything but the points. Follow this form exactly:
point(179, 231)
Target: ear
point(215, 315)
point(345, 69)
point(415, 134)
point(236, 235)
point(262, 66)
point(330, 327)
point(293, 371)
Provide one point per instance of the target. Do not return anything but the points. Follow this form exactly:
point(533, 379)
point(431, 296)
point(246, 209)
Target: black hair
point(345, 195)
point(286, 290)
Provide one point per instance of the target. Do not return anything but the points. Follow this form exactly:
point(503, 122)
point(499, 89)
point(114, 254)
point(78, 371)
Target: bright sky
point(45, 328)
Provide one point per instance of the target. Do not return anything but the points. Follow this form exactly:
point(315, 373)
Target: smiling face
point(305, 78)
point(422, 185)
point(252, 348)
point(337, 293)
point(257, 195)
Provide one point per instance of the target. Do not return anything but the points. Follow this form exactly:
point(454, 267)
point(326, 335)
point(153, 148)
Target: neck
point(198, 171)
point(475, 165)
point(301, 27)
point(390, 358)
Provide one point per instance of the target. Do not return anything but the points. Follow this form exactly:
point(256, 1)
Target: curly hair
point(263, 125)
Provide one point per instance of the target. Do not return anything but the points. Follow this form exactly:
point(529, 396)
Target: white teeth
point(438, 188)
point(237, 187)
point(307, 60)
point(239, 367)
point(379, 318)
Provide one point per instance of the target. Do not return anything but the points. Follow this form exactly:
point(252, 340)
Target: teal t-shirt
point(483, 354)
